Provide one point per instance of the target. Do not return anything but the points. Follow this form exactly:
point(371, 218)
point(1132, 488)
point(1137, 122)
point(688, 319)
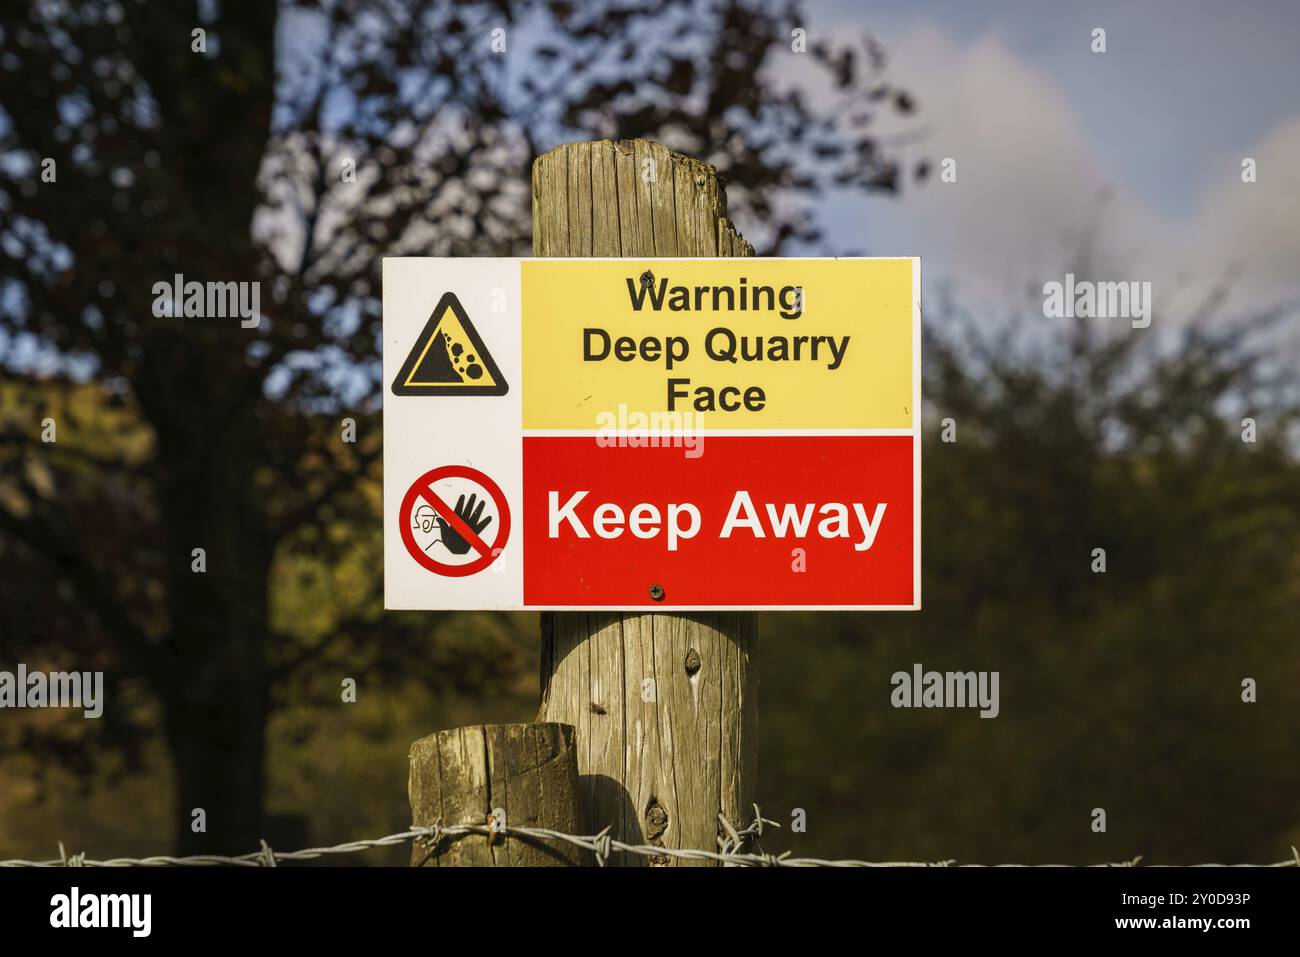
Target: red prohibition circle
point(423, 488)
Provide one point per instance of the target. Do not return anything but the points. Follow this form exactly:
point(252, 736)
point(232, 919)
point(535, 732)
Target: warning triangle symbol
point(449, 358)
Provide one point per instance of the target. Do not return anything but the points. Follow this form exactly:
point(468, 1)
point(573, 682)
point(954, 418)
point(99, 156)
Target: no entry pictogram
point(460, 525)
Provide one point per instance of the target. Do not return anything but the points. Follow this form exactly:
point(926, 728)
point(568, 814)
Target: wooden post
point(665, 705)
point(529, 771)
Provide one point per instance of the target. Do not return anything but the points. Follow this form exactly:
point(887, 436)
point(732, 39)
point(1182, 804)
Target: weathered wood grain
point(529, 771)
point(664, 705)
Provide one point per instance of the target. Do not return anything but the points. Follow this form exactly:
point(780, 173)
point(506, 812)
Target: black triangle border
point(449, 301)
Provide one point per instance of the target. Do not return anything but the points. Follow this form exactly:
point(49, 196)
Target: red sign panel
point(795, 521)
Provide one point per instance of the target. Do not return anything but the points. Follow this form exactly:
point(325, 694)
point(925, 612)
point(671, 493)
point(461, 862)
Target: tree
point(1173, 448)
point(293, 146)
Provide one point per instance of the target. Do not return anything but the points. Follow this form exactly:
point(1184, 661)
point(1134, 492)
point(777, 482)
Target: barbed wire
point(601, 846)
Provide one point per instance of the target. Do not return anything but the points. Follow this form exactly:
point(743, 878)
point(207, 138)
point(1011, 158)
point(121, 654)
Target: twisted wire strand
point(601, 846)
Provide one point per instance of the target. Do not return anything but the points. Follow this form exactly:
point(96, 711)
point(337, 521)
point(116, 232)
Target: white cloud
point(1031, 180)
point(1255, 226)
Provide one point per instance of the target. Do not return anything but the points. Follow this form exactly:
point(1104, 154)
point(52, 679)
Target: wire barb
point(267, 856)
point(601, 846)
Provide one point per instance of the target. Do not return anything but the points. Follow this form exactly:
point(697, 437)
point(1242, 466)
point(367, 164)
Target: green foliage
point(1119, 690)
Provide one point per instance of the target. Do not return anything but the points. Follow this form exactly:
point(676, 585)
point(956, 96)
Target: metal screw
point(657, 592)
point(648, 279)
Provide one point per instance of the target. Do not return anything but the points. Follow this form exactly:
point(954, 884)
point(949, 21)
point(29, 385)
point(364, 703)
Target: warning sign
point(449, 358)
point(681, 433)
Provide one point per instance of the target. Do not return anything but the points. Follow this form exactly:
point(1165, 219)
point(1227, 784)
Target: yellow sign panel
point(747, 344)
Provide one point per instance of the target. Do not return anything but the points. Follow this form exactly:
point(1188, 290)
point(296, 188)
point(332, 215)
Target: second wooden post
point(664, 704)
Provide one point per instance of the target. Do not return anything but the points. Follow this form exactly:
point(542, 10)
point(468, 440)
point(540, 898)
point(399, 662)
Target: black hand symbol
point(470, 515)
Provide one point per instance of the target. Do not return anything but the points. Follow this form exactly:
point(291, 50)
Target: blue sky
point(1042, 127)
point(1179, 77)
